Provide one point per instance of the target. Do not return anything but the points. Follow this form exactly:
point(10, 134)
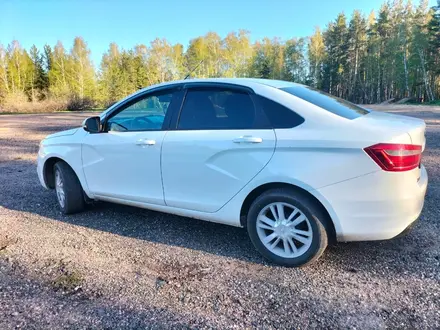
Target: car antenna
point(189, 74)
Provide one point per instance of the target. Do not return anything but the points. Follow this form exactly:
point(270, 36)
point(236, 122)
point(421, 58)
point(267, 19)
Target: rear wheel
point(68, 189)
point(287, 227)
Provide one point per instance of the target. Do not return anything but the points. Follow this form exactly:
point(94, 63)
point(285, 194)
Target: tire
point(70, 188)
point(305, 230)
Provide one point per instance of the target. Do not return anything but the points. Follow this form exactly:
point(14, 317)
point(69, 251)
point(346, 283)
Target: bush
point(107, 104)
point(80, 104)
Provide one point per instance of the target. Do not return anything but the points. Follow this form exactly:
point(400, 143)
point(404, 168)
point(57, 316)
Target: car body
point(159, 149)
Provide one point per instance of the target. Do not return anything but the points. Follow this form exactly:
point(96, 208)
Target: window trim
point(177, 89)
point(202, 85)
point(259, 113)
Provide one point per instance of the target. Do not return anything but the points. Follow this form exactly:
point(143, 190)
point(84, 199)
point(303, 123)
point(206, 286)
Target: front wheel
point(287, 228)
point(68, 189)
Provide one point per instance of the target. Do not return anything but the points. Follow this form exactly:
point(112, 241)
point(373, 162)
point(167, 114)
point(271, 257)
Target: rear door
point(220, 142)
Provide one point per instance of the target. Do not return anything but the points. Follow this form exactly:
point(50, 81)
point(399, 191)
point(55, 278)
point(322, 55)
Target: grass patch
point(69, 282)
point(66, 280)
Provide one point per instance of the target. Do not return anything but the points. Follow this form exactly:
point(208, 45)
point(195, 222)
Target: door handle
point(248, 139)
point(145, 142)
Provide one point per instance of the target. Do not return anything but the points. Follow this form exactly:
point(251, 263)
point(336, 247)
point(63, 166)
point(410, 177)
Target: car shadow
point(26, 195)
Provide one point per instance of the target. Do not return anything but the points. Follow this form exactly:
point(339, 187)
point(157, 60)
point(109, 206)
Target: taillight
point(395, 157)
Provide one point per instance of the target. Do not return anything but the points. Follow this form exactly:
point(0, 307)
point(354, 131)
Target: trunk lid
point(400, 129)
point(397, 125)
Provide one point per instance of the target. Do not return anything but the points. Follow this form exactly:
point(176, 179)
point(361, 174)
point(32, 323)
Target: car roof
point(247, 82)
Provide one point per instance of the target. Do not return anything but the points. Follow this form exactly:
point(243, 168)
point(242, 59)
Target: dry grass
point(19, 103)
point(34, 107)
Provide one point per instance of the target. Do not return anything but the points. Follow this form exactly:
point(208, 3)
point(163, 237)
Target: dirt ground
point(121, 267)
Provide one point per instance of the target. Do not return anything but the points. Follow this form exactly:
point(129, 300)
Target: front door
point(124, 161)
point(220, 143)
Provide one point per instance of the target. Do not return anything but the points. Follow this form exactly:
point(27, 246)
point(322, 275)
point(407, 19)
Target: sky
point(131, 22)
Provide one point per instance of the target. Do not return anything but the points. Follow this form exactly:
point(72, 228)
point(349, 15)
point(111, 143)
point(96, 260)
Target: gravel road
point(121, 267)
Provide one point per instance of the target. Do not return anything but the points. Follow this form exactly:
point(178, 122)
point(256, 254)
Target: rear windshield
point(326, 101)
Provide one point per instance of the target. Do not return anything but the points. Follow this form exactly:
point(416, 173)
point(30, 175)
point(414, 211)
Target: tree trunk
point(405, 66)
point(425, 76)
point(378, 99)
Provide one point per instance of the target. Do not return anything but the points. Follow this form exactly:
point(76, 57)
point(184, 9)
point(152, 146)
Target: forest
point(391, 53)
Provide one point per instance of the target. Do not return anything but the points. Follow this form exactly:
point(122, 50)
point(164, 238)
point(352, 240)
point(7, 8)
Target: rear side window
point(327, 102)
point(218, 108)
point(278, 115)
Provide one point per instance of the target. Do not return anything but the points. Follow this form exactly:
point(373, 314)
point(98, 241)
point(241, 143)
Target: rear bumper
point(377, 206)
point(407, 229)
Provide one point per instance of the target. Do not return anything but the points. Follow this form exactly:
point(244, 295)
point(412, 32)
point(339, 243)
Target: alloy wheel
point(284, 230)
point(59, 187)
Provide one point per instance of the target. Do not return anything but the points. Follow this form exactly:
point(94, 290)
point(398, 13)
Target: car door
point(124, 160)
point(220, 142)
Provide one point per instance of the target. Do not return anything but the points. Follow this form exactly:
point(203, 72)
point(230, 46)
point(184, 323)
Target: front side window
point(217, 108)
point(146, 114)
point(327, 101)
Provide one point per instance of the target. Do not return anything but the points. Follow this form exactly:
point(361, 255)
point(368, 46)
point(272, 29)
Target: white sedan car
point(295, 166)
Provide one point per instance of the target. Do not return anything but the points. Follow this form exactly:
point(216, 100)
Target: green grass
point(68, 282)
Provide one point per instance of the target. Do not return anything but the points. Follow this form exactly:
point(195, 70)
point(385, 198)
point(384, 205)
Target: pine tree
point(40, 81)
point(434, 41)
point(47, 58)
point(420, 51)
point(316, 55)
point(386, 53)
point(356, 53)
point(335, 67)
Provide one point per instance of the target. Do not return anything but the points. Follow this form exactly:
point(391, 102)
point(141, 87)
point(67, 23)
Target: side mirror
point(92, 124)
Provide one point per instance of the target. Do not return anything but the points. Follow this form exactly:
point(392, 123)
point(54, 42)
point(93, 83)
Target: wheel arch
point(48, 170)
point(329, 221)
